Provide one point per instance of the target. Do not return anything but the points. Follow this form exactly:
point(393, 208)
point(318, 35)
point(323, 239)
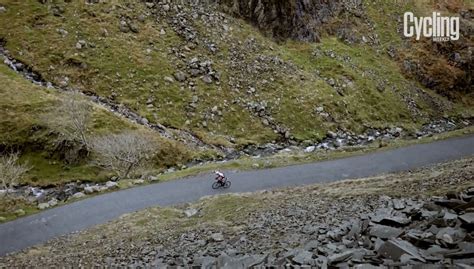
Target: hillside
point(24, 127)
point(213, 80)
point(445, 67)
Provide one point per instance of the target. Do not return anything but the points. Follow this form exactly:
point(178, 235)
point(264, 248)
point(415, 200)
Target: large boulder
point(111, 185)
point(217, 237)
point(78, 195)
point(43, 206)
point(395, 248)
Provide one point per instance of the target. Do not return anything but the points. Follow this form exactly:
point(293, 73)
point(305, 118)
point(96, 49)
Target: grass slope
point(22, 127)
point(131, 67)
point(357, 86)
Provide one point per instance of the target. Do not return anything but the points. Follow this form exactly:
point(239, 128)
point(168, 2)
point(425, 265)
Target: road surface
point(39, 228)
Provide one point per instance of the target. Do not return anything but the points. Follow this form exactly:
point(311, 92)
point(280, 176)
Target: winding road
point(39, 228)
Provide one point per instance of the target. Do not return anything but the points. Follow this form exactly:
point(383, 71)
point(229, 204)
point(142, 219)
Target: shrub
point(123, 153)
point(71, 118)
point(11, 171)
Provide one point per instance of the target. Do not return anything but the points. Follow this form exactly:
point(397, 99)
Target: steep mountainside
point(443, 66)
point(228, 74)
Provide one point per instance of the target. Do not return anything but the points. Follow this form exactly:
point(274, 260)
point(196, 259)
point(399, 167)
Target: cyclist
point(220, 177)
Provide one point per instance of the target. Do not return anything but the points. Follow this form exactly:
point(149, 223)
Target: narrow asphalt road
point(31, 230)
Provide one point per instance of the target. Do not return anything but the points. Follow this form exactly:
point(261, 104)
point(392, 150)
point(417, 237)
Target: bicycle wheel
point(216, 185)
point(227, 184)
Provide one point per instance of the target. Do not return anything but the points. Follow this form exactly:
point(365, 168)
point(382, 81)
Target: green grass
point(362, 103)
point(384, 14)
point(48, 171)
point(133, 66)
point(120, 63)
point(23, 128)
point(215, 211)
point(9, 207)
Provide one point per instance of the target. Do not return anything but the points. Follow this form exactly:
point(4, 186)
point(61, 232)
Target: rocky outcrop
point(443, 66)
point(297, 19)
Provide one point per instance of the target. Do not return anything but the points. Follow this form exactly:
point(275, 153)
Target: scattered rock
point(90, 189)
point(450, 235)
point(391, 220)
point(153, 178)
point(111, 184)
point(78, 195)
point(190, 212)
point(81, 44)
point(133, 27)
point(138, 181)
point(123, 26)
point(395, 248)
point(304, 257)
point(385, 232)
point(180, 76)
point(207, 79)
point(340, 257)
point(43, 206)
point(217, 237)
point(53, 202)
point(467, 218)
point(398, 204)
point(331, 134)
point(64, 33)
point(169, 79)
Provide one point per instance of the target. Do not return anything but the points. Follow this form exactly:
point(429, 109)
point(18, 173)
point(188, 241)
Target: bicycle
point(225, 184)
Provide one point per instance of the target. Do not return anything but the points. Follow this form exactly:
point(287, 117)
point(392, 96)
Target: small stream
point(332, 141)
point(118, 109)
